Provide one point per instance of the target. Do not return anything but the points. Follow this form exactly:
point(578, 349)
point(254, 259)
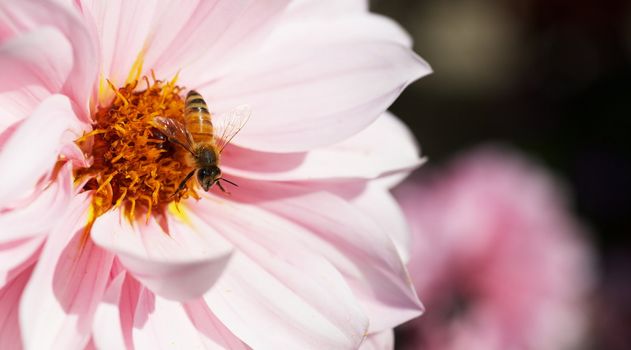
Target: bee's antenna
point(228, 181)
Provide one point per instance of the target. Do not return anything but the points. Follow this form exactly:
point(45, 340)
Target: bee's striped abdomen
point(197, 118)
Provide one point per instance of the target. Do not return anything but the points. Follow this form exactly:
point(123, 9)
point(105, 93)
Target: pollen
point(134, 167)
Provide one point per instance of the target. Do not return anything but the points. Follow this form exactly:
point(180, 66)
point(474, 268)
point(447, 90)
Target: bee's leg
point(183, 183)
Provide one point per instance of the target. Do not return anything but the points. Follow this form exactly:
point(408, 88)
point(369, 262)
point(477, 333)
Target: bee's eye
point(203, 172)
point(215, 171)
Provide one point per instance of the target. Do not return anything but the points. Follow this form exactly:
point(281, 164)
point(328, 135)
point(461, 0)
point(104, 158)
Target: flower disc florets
point(134, 166)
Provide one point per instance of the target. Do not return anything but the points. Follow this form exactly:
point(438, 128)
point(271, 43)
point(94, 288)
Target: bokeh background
point(551, 78)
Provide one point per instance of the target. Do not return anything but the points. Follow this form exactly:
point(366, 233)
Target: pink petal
point(41, 57)
point(32, 149)
point(209, 36)
point(315, 8)
point(131, 316)
point(176, 36)
point(495, 230)
point(357, 10)
point(276, 293)
point(30, 14)
point(379, 341)
point(211, 327)
point(381, 206)
point(90, 345)
point(18, 246)
point(266, 313)
point(39, 215)
point(168, 322)
point(317, 82)
point(16, 256)
point(17, 105)
point(132, 313)
point(360, 156)
point(350, 239)
point(32, 66)
point(181, 264)
point(59, 301)
point(75, 156)
point(6, 31)
point(107, 330)
point(122, 28)
point(10, 335)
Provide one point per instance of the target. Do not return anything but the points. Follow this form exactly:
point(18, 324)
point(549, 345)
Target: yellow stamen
point(118, 94)
point(88, 135)
point(178, 212)
point(136, 69)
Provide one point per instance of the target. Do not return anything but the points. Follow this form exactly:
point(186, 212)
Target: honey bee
point(197, 136)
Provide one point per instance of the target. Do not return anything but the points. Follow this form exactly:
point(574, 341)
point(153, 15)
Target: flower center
point(134, 166)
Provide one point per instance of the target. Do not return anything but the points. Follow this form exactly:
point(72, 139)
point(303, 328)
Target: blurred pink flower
point(497, 258)
point(300, 256)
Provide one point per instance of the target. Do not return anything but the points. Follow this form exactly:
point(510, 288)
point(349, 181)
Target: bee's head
point(208, 176)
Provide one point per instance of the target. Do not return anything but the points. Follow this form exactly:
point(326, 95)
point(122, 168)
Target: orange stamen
point(133, 168)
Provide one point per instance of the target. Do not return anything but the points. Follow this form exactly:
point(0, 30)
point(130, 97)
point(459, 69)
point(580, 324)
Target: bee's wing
point(174, 131)
point(230, 124)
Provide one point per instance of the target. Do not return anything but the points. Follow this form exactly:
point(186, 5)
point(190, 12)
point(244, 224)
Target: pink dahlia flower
point(498, 259)
point(98, 247)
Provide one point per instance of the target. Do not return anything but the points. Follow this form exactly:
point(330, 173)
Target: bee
point(197, 136)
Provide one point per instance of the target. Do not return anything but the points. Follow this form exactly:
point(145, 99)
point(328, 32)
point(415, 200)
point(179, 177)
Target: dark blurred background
point(551, 78)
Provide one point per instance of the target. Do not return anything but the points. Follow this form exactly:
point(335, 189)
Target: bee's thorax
point(205, 157)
